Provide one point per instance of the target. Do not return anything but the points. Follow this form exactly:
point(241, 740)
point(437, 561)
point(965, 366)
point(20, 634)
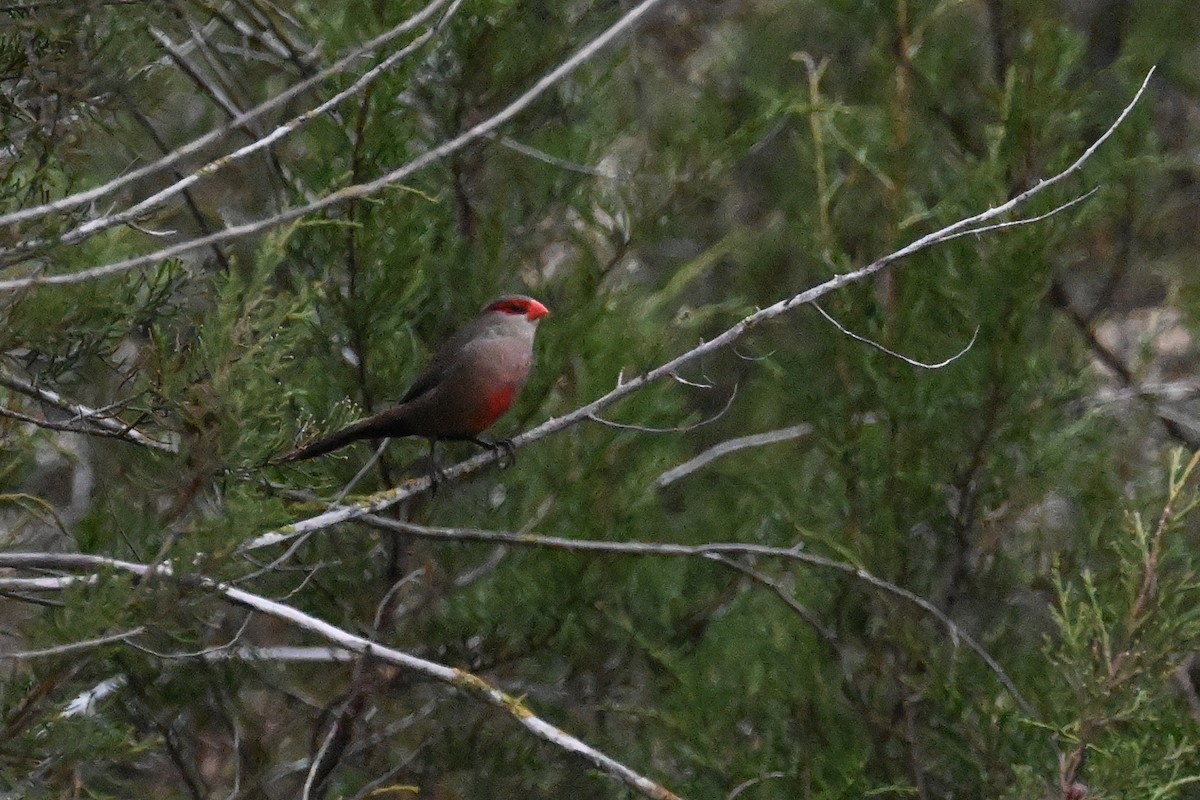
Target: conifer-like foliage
point(800, 565)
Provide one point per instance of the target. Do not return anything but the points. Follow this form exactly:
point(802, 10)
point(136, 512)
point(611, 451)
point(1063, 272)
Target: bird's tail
point(376, 427)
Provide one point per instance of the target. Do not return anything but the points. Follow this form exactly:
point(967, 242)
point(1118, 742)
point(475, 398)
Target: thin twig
point(362, 473)
point(1016, 223)
point(678, 429)
point(431, 156)
point(317, 760)
point(467, 682)
point(72, 647)
point(911, 361)
point(715, 551)
point(561, 163)
point(83, 416)
point(741, 787)
point(387, 498)
point(199, 144)
point(825, 633)
point(202, 652)
point(693, 384)
point(731, 446)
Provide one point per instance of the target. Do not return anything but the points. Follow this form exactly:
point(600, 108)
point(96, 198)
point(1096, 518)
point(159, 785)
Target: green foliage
point(745, 154)
point(1121, 632)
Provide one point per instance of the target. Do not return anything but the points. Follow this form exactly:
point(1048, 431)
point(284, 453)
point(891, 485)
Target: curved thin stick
point(624, 388)
point(195, 146)
point(907, 360)
point(158, 198)
point(483, 129)
point(460, 679)
point(715, 551)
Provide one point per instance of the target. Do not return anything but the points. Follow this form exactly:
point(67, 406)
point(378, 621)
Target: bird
point(472, 380)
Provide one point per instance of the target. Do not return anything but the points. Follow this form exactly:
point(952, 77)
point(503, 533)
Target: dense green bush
point(721, 159)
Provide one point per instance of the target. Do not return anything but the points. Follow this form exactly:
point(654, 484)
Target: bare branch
point(741, 787)
point(201, 653)
point(283, 654)
point(197, 145)
point(385, 734)
point(47, 584)
point(390, 497)
point(715, 551)
point(259, 143)
point(318, 758)
point(826, 634)
point(893, 353)
point(555, 161)
point(1016, 223)
point(460, 679)
point(680, 429)
point(84, 416)
point(731, 446)
point(362, 473)
point(72, 647)
point(65, 427)
point(215, 93)
point(385, 602)
point(483, 129)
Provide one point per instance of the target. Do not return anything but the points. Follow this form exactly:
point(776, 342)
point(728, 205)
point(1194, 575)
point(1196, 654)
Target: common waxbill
point(473, 379)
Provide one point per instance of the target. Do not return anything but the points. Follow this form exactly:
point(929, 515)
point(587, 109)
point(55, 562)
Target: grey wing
point(442, 362)
point(424, 382)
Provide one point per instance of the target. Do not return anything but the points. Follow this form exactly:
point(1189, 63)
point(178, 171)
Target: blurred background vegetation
point(725, 156)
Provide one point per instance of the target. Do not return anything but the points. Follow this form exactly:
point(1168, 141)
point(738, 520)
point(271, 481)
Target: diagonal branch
point(432, 156)
point(357, 87)
point(460, 679)
point(625, 426)
point(719, 552)
point(278, 101)
point(906, 359)
point(72, 647)
point(84, 419)
point(387, 498)
point(731, 446)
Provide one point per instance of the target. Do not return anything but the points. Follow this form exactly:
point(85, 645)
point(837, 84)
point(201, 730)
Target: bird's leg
point(506, 445)
point(436, 476)
point(510, 453)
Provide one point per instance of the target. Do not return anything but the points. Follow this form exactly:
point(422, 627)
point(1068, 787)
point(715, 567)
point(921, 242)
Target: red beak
point(536, 311)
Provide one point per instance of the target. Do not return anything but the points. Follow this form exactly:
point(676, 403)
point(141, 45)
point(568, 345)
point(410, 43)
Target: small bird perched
point(473, 379)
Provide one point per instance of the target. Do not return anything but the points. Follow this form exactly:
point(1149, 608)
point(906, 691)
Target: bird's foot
point(509, 454)
point(436, 477)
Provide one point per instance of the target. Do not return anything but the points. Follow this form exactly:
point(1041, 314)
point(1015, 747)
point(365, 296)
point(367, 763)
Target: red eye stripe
point(520, 306)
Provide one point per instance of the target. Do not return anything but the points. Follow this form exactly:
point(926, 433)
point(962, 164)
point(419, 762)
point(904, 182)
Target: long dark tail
point(376, 427)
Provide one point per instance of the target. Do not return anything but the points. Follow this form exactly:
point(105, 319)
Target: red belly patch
point(494, 407)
